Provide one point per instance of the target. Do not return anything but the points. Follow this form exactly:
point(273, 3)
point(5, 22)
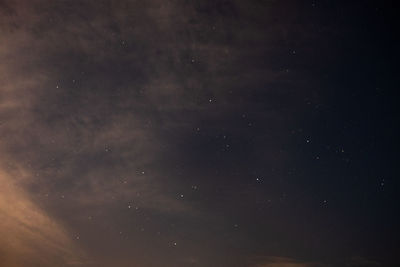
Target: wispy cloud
point(29, 236)
point(286, 262)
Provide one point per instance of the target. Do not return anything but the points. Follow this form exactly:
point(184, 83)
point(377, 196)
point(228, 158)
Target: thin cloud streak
point(28, 234)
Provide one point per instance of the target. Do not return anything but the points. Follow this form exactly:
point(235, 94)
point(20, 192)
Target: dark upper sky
point(178, 133)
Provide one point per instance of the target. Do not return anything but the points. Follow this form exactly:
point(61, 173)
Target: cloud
point(30, 237)
point(61, 133)
point(287, 262)
point(98, 103)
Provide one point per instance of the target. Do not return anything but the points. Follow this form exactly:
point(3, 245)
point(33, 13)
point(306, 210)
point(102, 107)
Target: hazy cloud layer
point(29, 237)
point(139, 133)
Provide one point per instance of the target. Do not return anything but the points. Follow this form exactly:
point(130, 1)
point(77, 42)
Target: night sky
point(221, 133)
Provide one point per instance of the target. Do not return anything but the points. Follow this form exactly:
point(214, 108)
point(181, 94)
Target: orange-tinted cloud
point(29, 237)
